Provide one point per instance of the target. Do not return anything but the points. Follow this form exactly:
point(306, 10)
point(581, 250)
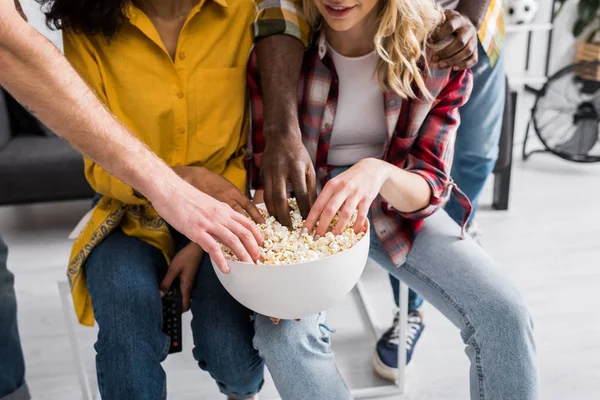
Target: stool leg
point(65, 298)
point(403, 325)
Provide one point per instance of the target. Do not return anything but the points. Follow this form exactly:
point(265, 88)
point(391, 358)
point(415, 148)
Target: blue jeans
point(123, 275)
point(12, 364)
point(461, 281)
point(476, 148)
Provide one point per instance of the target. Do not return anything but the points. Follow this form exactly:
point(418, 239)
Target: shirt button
point(180, 95)
point(182, 56)
point(181, 130)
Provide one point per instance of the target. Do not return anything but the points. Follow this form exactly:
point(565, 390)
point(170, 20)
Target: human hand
point(276, 321)
point(455, 42)
point(184, 265)
point(259, 197)
point(285, 159)
point(221, 189)
point(353, 189)
point(205, 220)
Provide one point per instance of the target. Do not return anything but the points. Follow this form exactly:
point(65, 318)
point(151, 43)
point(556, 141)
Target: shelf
point(529, 28)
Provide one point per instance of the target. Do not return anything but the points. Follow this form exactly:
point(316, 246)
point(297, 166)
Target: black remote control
point(171, 316)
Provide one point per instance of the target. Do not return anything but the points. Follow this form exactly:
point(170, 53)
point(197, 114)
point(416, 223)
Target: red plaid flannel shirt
point(421, 138)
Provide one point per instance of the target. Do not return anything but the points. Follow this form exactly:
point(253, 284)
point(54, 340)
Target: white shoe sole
point(384, 371)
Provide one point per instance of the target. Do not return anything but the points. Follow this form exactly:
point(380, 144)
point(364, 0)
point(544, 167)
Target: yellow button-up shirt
point(190, 111)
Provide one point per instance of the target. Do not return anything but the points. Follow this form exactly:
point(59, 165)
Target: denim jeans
point(476, 148)
point(12, 364)
point(123, 275)
point(460, 280)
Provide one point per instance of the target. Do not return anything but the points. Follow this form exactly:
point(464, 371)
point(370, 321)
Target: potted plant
point(588, 48)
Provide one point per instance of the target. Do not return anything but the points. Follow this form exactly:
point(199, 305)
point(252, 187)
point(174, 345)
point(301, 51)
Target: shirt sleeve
point(432, 152)
point(285, 17)
point(81, 54)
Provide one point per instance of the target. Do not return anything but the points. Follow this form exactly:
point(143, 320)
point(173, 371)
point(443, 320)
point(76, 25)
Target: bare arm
point(474, 10)
point(38, 76)
point(285, 158)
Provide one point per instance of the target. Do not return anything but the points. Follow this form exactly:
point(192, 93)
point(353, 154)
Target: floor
point(548, 243)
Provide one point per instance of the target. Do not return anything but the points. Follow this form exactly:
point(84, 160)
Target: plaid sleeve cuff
point(439, 196)
point(276, 17)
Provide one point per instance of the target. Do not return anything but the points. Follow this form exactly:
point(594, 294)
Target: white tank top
point(359, 128)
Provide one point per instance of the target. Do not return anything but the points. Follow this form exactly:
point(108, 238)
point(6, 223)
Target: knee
point(508, 313)
point(129, 321)
point(291, 339)
point(236, 377)
point(235, 366)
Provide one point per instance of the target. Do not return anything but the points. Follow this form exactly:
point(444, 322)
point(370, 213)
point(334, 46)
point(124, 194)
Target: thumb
point(172, 273)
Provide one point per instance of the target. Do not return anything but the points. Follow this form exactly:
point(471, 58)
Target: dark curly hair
point(90, 17)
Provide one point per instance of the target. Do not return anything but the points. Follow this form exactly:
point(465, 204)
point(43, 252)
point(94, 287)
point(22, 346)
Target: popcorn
point(282, 246)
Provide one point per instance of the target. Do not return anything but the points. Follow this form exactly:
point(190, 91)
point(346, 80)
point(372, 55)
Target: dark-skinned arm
point(474, 10)
point(455, 41)
point(285, 159)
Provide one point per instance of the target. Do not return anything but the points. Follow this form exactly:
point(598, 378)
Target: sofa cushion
point(21, 120)
point(38, 168)
point(5, 132)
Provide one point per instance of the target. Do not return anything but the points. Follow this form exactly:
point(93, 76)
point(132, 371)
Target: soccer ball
point(520, 11)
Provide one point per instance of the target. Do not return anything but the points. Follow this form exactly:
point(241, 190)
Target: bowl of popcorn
point(299, 275)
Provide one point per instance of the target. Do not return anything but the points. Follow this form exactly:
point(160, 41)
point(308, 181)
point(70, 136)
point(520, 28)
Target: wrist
point(379, 169)
point(282, 128)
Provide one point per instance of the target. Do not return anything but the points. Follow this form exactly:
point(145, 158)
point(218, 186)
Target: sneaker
point(385, 359)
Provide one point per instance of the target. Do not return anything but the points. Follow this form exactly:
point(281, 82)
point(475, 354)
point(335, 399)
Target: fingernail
point(162, 294)
point(304, 231)
point(317, 237)
point(443, 64)
point(455, 68)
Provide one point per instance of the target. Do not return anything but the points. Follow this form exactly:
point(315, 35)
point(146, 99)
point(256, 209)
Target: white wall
point(37, 20)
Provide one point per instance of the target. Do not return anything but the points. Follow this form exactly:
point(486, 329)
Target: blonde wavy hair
point(404, 27)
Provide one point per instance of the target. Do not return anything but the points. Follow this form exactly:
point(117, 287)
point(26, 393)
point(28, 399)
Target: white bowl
point(296, 290)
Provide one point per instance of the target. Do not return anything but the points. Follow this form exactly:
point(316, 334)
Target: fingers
point(268, 195)
point(172, 273)
point(300, 187)
point(361, 217)
point(230, 237)
point(346, 213)
point(275, 320)
point(247, 240)
point(329, 212)
point(445, 30)
point(458, 50)
point(450, 49)
point(464, 59)
point(317, 208)
point(187, 279)
point(251, 209)
point(311, 184)
point(210, 245)
point(249, 225)
point(280, 201)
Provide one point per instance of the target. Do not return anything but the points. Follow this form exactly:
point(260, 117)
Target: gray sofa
point(35, 165)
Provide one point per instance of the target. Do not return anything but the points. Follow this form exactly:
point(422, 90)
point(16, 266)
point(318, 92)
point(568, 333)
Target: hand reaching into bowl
point(354, 189)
